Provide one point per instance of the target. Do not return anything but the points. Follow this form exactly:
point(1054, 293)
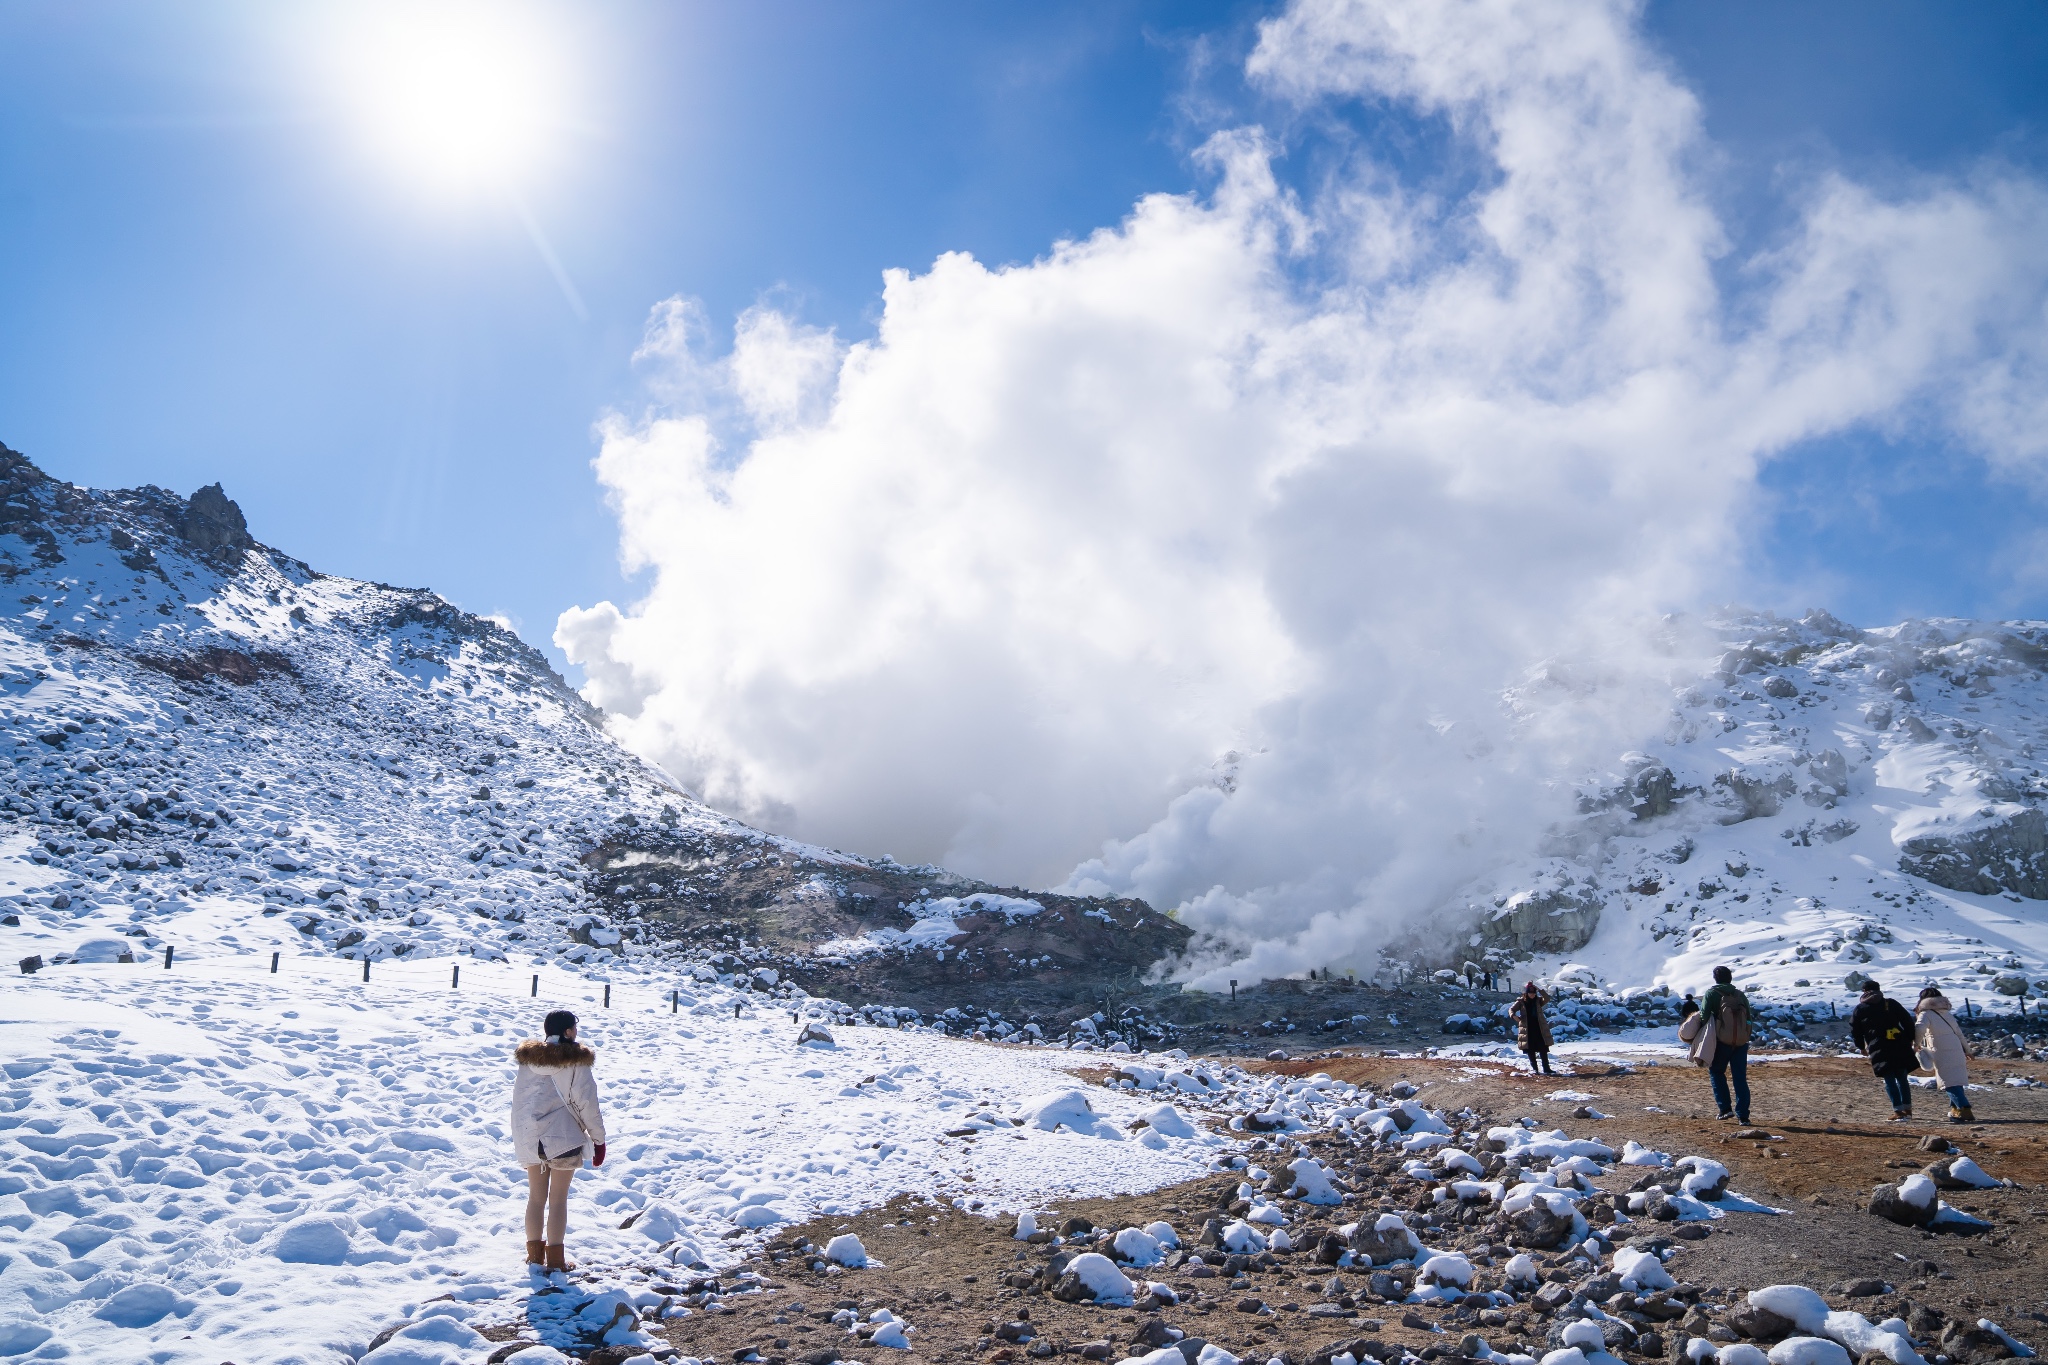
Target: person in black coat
point(1883, 1031)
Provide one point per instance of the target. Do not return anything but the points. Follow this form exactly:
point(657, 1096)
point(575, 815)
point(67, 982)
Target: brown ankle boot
point(536, 1251)
point(558, 1258)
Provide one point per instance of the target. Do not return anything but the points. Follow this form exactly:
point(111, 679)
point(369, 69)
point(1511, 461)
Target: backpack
point(1731, 1024)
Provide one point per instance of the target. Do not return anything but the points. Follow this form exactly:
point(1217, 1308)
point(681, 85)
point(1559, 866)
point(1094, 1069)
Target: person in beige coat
point(555, 1123)
point(1938, 1043)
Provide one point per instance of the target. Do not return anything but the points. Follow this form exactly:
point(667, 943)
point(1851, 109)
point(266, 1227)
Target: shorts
point(565, 1161)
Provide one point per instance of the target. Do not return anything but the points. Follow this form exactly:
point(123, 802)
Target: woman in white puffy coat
point(555, 1124)
point(1938, 1042)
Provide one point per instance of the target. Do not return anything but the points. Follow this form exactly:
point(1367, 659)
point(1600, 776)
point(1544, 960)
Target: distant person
point(1938, 1042)
point(555, 1122)
point(1727, 1012)
point(1883, 1032)
point(1532, 1030)
point(1687, 1007)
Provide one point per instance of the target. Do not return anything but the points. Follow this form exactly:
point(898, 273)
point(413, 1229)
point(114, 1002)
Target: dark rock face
point(2011, 855)
point(1558, 921)
point(1754, 797)
point(214, 524)
point(1653, 791)
point(711, 891)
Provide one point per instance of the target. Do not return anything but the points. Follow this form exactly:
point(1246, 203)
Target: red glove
point(597, 1157)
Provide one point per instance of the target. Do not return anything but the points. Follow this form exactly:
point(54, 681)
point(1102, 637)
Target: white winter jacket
point(554, 1102)
point(1938, 1041)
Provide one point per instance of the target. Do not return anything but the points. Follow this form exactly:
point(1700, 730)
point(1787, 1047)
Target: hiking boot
point(1727, 1114)
point(1902, 1115)
point(558, 1258)
point(536, 1252)
point(1968, 1115)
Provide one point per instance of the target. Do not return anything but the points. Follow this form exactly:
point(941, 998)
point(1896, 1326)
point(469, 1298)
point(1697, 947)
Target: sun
point(457, 97)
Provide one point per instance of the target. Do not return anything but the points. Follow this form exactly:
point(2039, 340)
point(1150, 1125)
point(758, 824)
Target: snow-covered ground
point(191, 1157)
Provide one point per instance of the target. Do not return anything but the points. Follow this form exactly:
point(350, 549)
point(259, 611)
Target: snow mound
point(846, 1250)
point(1808, 1351)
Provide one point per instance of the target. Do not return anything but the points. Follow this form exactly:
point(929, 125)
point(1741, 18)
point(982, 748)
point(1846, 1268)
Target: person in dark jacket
point(1532, 1029)
point(1883, 1031)
point(1687, 1007)
point(1727, 1011)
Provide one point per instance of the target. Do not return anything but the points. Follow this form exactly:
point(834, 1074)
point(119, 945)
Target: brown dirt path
point(944, 1271)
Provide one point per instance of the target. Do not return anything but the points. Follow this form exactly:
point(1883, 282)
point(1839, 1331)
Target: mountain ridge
point(209, 736)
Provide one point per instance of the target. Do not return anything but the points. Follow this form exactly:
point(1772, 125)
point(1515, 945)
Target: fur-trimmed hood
point(534, 1052)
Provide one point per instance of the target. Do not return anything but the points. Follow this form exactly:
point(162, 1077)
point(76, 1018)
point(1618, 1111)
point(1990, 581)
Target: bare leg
point(536, 1200)
point(558, 1205)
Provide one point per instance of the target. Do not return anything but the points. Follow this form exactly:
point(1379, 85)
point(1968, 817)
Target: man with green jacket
point(1727, 1011)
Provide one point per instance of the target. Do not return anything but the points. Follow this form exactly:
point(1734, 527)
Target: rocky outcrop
point(214, 525)
point(1561, 920)
point(1754, 797)
point(2009, 855)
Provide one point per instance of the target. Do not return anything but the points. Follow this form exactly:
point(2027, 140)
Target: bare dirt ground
point(960, 1278)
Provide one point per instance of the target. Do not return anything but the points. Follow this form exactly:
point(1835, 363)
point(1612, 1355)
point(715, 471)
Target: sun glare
point(458, 97)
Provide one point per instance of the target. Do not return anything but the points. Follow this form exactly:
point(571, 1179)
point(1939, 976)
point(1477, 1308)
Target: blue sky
point(209, 273)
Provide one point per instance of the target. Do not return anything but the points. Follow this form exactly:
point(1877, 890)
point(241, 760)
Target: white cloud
point(1009, 580)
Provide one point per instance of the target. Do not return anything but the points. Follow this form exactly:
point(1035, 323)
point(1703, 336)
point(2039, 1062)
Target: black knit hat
point(558, 1024)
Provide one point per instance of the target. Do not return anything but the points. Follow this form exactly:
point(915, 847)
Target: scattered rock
point(1536, 1226)
point(1866, 1288)
point(1381, 1245)
point(1759, 1324)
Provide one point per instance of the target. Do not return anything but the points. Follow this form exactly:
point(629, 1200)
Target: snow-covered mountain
point(217, 748)
point(1823, 802)
point(214, 747)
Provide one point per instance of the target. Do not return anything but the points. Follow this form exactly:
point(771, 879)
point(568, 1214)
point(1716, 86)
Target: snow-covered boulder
point(1092, 1277)
point(1136, 1247)
point(846, 1250)
point(1641, 1271)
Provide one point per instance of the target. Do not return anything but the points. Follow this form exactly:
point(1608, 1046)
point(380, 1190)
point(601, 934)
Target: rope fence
point(504, 982)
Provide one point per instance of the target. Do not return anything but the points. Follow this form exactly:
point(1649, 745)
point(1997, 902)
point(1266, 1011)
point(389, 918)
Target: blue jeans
point(1899, 1091)
point(1957, 1098)
point(1731, 1063)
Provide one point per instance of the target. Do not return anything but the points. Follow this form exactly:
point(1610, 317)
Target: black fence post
point(536, 985)
point(168, 950)
point(607, 995)
point(273, 962)
point(366, 970)
point(675, 1001)
point(1233, 992)
point(455, 977)
point(735, 1009)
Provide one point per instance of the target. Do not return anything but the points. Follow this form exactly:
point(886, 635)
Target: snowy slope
point(227, 751)
point(1823, 801)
